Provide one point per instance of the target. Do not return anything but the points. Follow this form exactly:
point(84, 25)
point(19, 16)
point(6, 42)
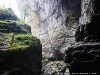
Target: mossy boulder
point(20, 52)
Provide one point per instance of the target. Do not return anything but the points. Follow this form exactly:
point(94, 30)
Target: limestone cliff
point(49, 19)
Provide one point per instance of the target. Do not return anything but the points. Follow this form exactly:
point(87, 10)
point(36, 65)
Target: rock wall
point(86, 11)
point(84, 56)
point(20, 52)
point(21, 62)
point(49, 19)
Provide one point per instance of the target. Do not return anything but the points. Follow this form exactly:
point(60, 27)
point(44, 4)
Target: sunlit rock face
point(49, 19)
point(86, 11)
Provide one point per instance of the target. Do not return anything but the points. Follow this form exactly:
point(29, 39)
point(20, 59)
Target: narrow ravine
point(54, 22)
point(51, 37)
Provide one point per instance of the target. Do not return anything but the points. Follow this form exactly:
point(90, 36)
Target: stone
point(83, 58)
point(20, 52)
point(89, 32)
point(49, 19)
point(21, 62)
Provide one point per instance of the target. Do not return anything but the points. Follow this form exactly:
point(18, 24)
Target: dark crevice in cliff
point(72, 11)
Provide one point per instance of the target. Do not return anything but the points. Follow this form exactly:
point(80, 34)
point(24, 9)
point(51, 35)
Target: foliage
point(18, 48)
point(8, 26)
point(22, 20)
point(7, 14)
point(18, 41)
point(15, 32)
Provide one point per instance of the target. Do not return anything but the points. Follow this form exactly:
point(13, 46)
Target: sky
point(12, 4)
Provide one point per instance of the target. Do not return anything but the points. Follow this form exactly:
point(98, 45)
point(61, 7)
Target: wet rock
point(21, 62)
point(89, 32)
point(84, 58)
point(20, 52)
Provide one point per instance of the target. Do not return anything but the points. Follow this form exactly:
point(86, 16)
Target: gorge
point(55, 21)
point(61, 37)
point(50, 21)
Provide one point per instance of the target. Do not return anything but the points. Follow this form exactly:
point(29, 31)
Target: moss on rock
point(20, 52)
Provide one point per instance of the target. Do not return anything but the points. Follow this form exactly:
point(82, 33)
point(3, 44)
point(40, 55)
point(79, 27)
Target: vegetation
point(8, 26)
point(15, 34)
point(7, 14)
point(17, 40)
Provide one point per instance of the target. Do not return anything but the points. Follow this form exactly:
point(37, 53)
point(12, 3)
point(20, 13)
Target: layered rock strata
point(84, 57)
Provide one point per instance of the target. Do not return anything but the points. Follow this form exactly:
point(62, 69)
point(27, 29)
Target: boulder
point(84, 58)
point(21, 62)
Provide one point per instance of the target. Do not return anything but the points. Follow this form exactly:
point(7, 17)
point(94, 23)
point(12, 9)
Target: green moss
point(7, 14)
point(17, 32)
point(8, 26)
point(19, 41)
point(18, 48)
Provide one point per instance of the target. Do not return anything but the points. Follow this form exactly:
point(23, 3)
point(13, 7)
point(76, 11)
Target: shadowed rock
point(89, 32)
point(84, 58)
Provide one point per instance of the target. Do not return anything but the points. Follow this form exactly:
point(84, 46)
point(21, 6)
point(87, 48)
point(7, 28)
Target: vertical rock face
point(49, 19)
point(89, 31)
point(86, 11)
point(85, 56)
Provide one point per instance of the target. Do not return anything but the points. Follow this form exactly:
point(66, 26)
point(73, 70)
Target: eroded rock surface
point(20, 52)
point(89, 32)
point(21, 62)
point(49, 19)
point(84, 56)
